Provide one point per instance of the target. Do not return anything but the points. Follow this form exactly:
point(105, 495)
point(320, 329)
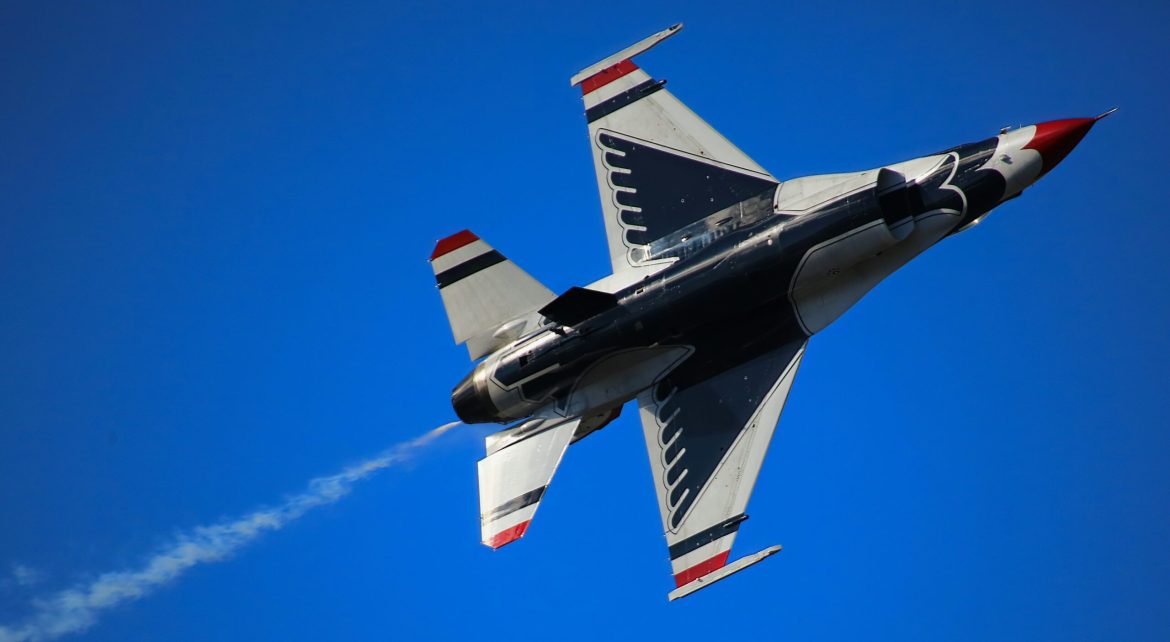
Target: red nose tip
point(1056, 138)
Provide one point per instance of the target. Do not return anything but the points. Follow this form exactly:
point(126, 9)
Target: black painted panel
point(577, 305)
point(670, 190)
point(701, 422)
point(630, 96)
point(467, 268)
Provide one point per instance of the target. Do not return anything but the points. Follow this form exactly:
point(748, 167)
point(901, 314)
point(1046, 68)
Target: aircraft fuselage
point(772, 269)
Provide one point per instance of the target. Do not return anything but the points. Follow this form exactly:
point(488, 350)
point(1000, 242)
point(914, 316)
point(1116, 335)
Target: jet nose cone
point(1056, 138)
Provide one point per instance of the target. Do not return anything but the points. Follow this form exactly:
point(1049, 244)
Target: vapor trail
point(77, 608)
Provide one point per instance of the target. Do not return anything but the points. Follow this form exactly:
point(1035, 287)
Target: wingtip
point(721, 573)
point(625, 54)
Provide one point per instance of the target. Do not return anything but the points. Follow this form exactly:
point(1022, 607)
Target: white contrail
point(76, 608)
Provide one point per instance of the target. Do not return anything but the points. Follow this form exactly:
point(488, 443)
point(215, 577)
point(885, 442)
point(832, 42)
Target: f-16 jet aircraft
point(721, 273)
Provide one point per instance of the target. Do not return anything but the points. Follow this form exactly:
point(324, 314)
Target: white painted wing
point(706, 444)
point(515, 474)
point(659, 165)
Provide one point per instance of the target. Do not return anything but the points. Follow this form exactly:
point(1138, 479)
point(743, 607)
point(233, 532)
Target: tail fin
point(489, 300)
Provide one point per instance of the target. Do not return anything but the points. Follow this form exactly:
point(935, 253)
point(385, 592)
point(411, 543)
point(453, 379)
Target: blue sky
point(214, 224)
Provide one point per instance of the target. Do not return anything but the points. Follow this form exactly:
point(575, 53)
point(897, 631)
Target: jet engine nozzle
point(472, 402)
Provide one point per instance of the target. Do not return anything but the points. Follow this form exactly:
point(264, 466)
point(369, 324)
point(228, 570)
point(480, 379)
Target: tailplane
point(489, 300)
point(513, 477)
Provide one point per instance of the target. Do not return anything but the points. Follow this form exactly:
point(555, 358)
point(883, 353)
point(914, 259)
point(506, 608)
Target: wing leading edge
point(706, 444)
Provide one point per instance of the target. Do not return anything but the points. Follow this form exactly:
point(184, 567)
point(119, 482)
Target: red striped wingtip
point(452, 243)
point(702, 568)
point(606, 76)
point(510, 535)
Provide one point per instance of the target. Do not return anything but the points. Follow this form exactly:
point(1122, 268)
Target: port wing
point(706, 442)
point(660, 167)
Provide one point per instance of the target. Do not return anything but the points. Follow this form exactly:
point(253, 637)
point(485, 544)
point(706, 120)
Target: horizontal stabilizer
point(577, 305)
point(721, 573)
point(489, 300)
point(515, 474)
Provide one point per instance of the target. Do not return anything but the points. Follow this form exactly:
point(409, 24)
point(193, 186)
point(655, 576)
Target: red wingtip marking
point(702, 568)
point(606, 76)
point(452, 243)
point(511, 534)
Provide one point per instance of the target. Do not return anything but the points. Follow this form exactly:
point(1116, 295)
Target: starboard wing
point(706, 443)
point(660, 167)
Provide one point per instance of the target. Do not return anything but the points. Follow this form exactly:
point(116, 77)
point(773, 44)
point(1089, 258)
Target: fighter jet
point(721, 274)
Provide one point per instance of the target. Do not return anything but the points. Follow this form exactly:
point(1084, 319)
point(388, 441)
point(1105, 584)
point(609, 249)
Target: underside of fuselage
point(766, 271)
